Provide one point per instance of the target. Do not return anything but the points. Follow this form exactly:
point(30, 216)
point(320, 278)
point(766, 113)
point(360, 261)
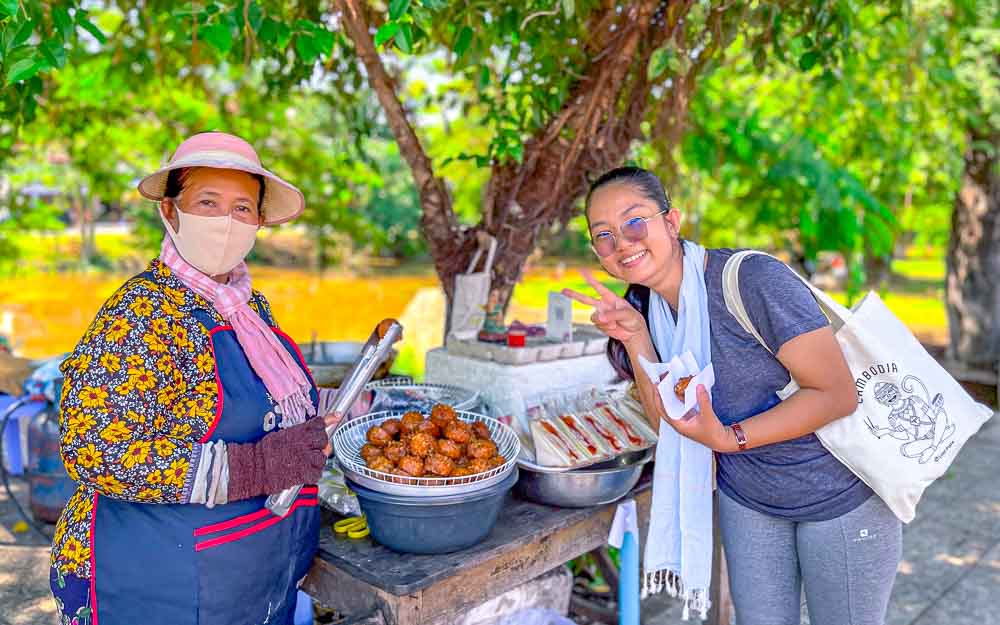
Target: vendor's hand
point(331, 420)
point(612, 315)
point(281, 459)
point(705, 426)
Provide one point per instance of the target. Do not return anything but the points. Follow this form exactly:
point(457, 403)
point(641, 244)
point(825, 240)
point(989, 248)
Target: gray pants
point(847, 564)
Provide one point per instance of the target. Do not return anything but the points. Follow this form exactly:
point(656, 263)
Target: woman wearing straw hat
point(183, 407)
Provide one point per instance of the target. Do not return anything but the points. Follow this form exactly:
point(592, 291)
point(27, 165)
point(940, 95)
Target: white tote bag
point(472, 290)
point(912, 417)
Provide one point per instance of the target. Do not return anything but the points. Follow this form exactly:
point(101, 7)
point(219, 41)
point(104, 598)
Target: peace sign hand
point(612, 314)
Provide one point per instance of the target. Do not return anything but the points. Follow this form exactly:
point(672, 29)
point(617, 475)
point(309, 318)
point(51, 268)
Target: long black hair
point(649, 186)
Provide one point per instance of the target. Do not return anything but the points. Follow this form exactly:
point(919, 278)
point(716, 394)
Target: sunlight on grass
point(921, 268)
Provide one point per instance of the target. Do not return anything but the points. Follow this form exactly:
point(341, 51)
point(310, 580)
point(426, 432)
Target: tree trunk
point(592, 133)
point(973, 280)
point(80, 208)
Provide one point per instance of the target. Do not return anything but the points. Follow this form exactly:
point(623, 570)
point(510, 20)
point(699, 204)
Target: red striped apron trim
point(253, 529)
point(93, 562)
point(247, 518)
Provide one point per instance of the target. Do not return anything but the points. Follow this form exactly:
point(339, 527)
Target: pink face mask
point(212, 245)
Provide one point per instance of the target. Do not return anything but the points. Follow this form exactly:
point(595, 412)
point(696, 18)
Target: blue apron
point(185, 564)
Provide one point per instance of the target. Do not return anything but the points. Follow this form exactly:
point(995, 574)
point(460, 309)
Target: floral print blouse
point(139, 392)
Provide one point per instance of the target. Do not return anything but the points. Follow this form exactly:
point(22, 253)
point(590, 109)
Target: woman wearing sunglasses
point(789, 512)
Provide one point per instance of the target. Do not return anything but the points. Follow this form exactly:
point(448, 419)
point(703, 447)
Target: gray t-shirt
point(797, 479)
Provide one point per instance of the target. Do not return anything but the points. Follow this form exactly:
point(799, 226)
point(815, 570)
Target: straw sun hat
point(282, 201)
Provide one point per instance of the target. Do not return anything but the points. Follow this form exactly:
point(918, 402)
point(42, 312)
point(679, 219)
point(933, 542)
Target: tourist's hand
point(705, 426)
point(612, 314)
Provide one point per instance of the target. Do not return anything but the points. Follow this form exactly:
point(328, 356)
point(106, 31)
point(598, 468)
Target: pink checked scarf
point(282, 376)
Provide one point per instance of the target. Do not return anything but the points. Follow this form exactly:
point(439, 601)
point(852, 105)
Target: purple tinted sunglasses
point(633, 230)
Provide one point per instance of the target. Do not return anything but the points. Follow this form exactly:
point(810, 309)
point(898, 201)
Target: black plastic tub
point(433, 525)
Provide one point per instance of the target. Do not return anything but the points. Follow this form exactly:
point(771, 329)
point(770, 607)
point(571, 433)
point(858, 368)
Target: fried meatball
point(461, 472)
point(449, 448)
point(395, 451)
point(383, 327)
point(369, 451)
point(481, 430)
point(402, 477)
point(482, 449)
point(458, 431)
point(412, 465)
point(429, 427)
point(681, 387)
point(422, 445)
point(496, 461)
point(439, 465)
point(391, 426)
point(462, 460)
point(442, 415)
point(478, 465)
point(411, 421)
point(381, 463)
point(377, 436)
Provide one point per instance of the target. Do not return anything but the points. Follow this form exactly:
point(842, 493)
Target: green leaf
point(8, 7)
point(659, 62)
point(462, 41)
point(569, 7)
point(305, 25)
point(49, 52)
point(218, 36)
point(305, 47)
point(22, 70)
point(255, 16)
point(397, 8)
point(87, 25)
point(23, 34)
point(484, 77)
point(808, 60)
point(63, 22)
point(324, 42)
point(405, 39)
point(268, 32)
point(386, 32)
point(284, 36)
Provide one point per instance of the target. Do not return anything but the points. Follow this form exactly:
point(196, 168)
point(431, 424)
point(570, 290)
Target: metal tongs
point(373, 354)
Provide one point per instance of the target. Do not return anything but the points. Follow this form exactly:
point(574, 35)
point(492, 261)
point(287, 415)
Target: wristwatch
point(741, 437)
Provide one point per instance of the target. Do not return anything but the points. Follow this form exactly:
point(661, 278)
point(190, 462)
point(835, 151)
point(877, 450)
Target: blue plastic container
point(433, 525)
point(50, 487)
point(13, 461)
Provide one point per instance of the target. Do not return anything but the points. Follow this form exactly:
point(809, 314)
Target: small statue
point(494, 331)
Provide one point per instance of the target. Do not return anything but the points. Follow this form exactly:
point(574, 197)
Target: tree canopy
point(827, 125)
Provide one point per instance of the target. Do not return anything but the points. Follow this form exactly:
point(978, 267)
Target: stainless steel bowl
point(580, 488)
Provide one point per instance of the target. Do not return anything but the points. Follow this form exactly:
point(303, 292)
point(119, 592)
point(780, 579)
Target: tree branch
point(409, 145)
point(439, 224)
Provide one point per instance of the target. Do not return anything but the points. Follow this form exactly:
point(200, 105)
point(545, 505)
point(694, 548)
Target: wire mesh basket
point(454, 396)
point(350, 437)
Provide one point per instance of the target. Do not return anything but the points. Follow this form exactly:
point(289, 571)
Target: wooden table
point(360, 577)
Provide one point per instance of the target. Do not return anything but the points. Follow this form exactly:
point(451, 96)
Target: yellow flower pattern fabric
point(139, 393)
